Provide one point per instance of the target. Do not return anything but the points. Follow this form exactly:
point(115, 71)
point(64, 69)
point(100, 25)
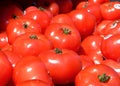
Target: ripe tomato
point(110, 47)
point(41, 17)
point(66, 59)
point(5, 68)
point(7, 14)
point(30, 68)
point(12, 57)
point(50, 5)
point(65, 6)
point(98, 1)
point(112, 28)
point(21, 26)
point(97, 75)
point(63, 35)
point(86, 61)
point(34, 82)
point(92, 43)
point(92, 8)
point(85, 22)
point(113, 64)
point(3, 39)
point(62, 18)
point(99, 29)
point(32, 44)
point(110, 10)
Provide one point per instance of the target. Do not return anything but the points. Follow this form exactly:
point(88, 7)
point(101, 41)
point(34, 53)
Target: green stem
point(103, 78)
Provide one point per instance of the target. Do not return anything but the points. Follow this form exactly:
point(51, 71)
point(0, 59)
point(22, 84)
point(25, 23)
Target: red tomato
point(99, 29)
point(5, 68)
point(92, 8)
point(97, 75)
point(63, 35)
point(112, 28)
point(50, 5)
point(30, 68)
point(41, 17)
point(86, 61)
point(33, 83)
point(65, 6)
point(92, 43)
point(7, 14)
point(21, 26)
point(110, 47)
point(12, 57)
point(110, 10)
point(66, 59)
point(113, 64)
point(32, 44)
point(62, 18)
point(85, 22)
point(98, 1)
point(3, 39)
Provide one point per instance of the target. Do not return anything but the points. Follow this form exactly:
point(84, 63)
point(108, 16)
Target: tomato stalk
point(58, 51)
point(25, 25)
point(103, 78)
point(14, 16)
point(33, 37)
point(66, 31)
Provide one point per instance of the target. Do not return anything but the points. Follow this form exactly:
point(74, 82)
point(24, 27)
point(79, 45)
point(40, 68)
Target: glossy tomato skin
point(32, 44)
point(99, 29)
point(93, 75)
point(91, 8)
point(33, 83)
point(84, 22)
point(65, 6)
point(30, 68)
point(40, 17)
point(5, 68)
point(110, 47)
point(62, 18)
point(21, 26)
point(110, 10)
point(113, 64)
point(98, 1)
point(63, 35)
point(3, 39)
point(66, 59)
point(7, 14)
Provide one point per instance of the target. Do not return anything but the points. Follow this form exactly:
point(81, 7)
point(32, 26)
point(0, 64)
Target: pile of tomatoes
point(59, 43)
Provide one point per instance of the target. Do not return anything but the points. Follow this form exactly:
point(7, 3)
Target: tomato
point(92, 8)
point(3, 39)
point(30, 68)
point(7, 14)
point(113, 64)
point(12, 57)
point(66, 59)
point(92, 43)
point(32, 44)
point(21, 26)
point(65, 6)
point(110, 10)
point(63, 35)
point(41, 17)
point(33, 83)
point(5, 68)
point(110, 47)
point(50, 5)
point(99, 1)
point(85, 22)
point(62, 18)
point(86, 61)
point(97, 75)
point(99, 29)
point(112, 28)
